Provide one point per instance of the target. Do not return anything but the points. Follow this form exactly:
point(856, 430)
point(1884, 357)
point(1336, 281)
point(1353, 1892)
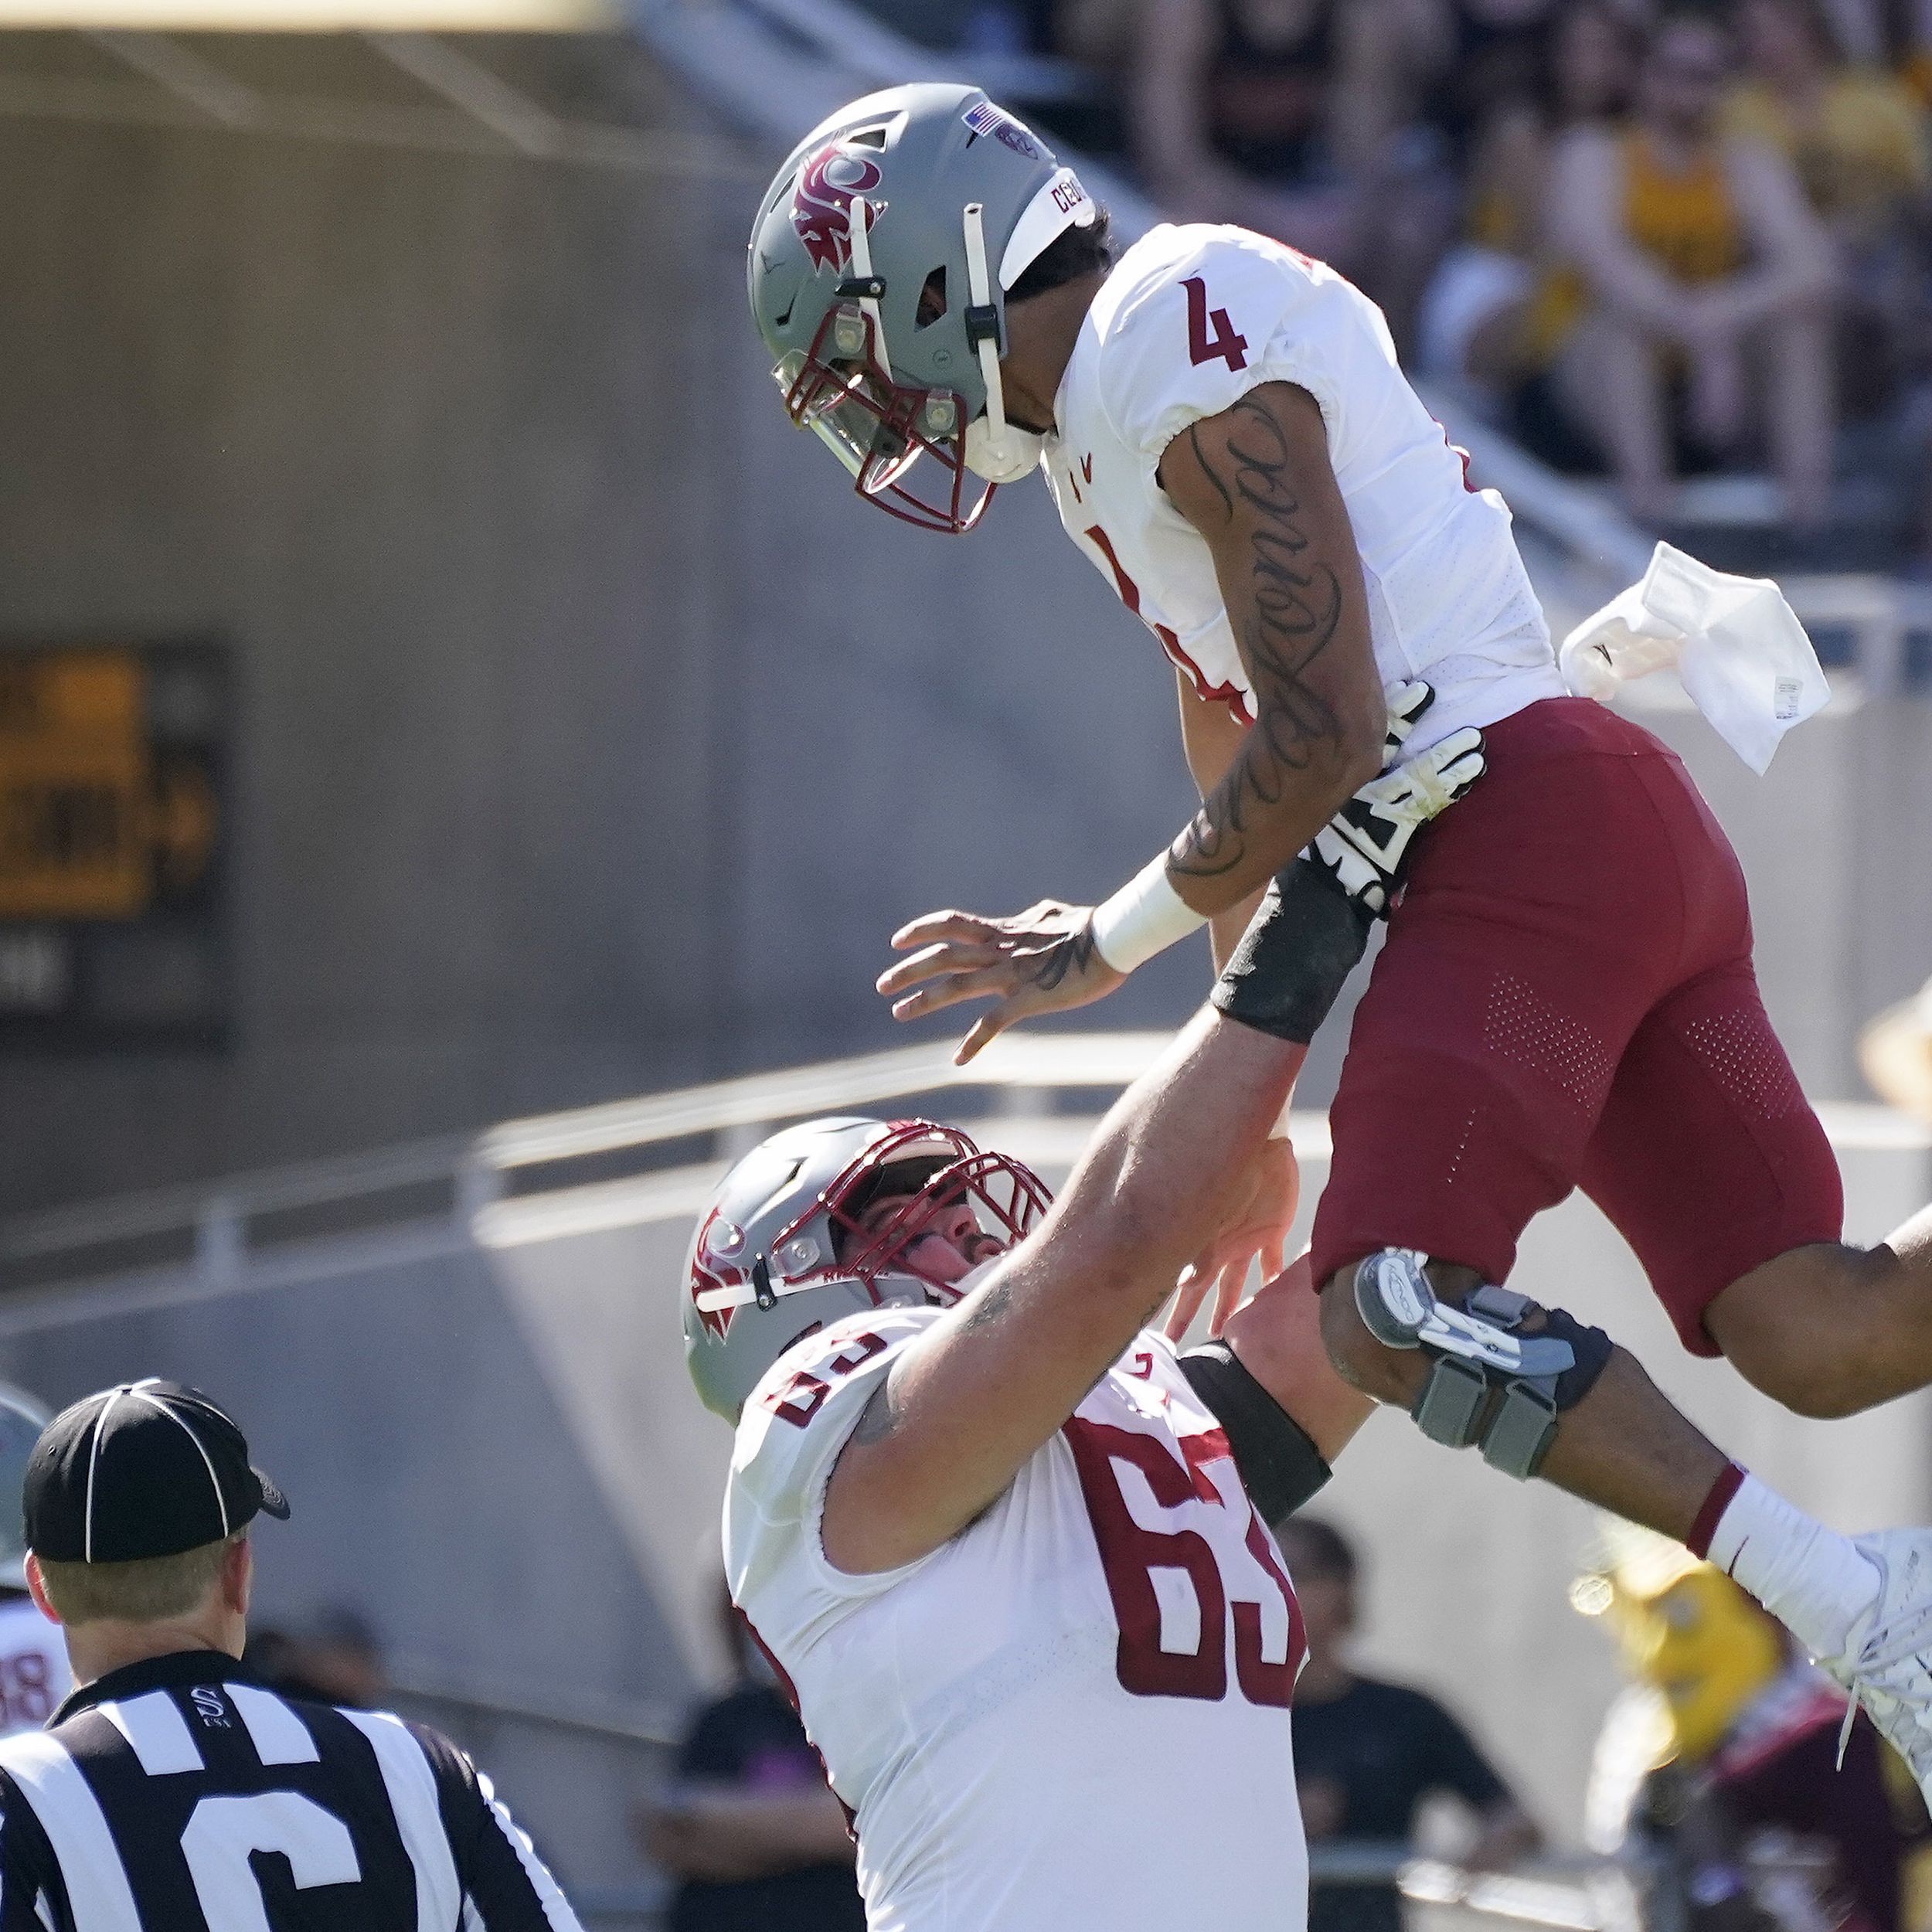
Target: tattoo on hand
point(1072, 954)
point(1297, 611)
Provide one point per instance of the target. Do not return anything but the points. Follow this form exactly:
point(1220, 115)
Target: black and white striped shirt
point(179, 1795)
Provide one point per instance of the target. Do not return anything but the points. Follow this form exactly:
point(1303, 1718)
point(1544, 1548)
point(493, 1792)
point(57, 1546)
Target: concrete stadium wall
point(593, 736)
point(492, 1448)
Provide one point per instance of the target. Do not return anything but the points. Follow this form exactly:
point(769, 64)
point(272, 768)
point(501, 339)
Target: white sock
point(1812, 1579)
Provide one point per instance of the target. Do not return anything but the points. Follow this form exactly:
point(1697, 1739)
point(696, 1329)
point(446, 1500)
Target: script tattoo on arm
point(1287, 621)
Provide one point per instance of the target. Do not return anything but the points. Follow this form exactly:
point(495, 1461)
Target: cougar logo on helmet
point(713, 1265)
point(822, 202)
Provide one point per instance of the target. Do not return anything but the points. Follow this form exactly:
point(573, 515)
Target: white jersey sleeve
point(1226, 317)
point(789, 1439)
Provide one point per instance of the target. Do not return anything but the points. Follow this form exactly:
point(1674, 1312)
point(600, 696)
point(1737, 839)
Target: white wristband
point(1144, 917)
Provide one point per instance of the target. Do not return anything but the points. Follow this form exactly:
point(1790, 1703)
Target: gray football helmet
point(886, 331)
point(22, 1417)
point(783, 1247)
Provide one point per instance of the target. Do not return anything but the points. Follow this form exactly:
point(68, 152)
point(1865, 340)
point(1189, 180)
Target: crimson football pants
point(1566, 999)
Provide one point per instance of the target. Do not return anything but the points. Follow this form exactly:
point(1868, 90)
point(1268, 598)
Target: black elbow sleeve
point(1301, 945)
point(1280, 1467)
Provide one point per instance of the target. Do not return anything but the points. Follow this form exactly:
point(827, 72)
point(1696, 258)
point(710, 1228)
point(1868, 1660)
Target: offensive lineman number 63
point(1130, 1554)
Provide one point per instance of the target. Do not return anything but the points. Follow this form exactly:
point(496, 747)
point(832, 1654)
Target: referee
point(172, 1793)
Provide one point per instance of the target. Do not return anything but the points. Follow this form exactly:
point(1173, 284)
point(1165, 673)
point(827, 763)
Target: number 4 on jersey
point(1224, 343)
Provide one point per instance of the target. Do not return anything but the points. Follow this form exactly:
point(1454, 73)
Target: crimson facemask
point(1004, 1199)
point(879, 428)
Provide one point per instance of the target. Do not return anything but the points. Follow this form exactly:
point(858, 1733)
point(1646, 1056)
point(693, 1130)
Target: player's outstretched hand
point(1256, 1227)
point(1042, 960)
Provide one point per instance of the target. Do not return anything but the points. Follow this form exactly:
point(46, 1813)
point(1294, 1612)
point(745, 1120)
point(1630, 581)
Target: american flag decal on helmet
point(984, 118)
point(822, 202)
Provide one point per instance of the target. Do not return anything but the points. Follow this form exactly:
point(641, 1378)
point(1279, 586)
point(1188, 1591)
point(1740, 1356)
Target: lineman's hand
point(1257, 1227)
point(1042, 960)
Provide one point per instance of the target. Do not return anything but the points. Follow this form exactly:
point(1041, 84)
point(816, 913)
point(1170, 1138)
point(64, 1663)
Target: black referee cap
point(147, 1469)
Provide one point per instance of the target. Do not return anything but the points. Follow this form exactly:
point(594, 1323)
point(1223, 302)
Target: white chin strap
point(995, 449)
point(862, 271)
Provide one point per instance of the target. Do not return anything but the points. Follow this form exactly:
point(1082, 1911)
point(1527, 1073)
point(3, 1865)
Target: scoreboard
point(113, 771)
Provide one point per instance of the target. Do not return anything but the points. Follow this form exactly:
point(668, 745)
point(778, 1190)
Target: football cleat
point(1886, 1663)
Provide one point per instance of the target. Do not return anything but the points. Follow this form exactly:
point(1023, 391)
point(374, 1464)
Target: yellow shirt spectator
point(1916, 72)
point(1686, 223)
point(1860, 151)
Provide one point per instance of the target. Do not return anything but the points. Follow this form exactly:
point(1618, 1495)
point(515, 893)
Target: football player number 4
point(1211, 336)
point(1130, 1553)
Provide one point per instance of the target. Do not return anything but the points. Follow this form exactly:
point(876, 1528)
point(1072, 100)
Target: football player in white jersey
point(34, 1677)
point(1011, 1553)
point(1566, 996)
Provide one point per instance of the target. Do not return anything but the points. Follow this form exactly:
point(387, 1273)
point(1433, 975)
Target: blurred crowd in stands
point(1654, 240)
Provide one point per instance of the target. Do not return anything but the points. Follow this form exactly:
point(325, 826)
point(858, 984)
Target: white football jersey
point(34, 1677)
point(1192, 318)
point(1075, 1713)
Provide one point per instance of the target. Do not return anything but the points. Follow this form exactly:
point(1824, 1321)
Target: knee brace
point(1489, 1383)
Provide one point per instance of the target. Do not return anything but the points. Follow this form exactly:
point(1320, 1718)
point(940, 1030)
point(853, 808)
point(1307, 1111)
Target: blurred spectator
point(334, 1658)
point(1895, 1051)
point(1367, 1753)
point(1104, 34)
point(1286, 116)
point(1734, 1777)
point(751, 1831)
point(1490, 54)
point(1483, 322)
point(1698, 283)
point(1857, 137)
point(1915, 51)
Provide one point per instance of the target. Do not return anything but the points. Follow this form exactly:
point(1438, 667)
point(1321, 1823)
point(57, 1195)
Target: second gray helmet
point(886, 331)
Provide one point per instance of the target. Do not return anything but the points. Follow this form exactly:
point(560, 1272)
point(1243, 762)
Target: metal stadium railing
point(217, 1232)
point(446, 1191)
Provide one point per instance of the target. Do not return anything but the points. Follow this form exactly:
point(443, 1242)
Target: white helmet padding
point(1061, 204)
point(998, 451)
